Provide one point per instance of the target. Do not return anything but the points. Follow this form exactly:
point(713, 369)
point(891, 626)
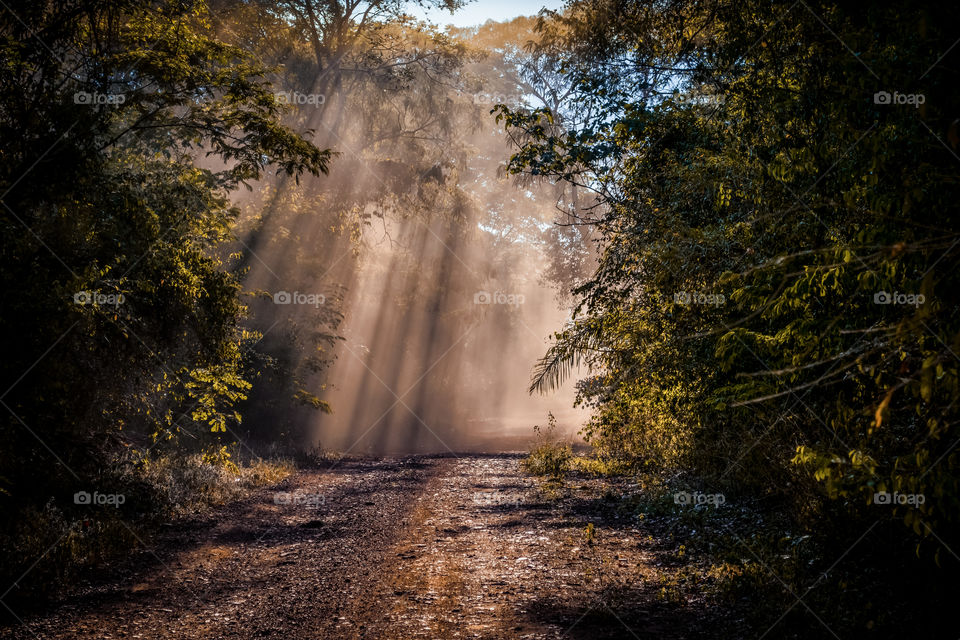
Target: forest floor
point(415, 547)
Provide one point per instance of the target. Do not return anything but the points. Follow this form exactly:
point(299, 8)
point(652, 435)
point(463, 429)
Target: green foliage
point(738, 150)
point(125, 214)
point(550, 457)
point(126, 126)
point(590, 534)
point(758, 205)
point(594, 465)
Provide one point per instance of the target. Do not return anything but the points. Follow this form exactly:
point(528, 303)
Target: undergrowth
point(44, 549)
point(551, 457)
point(753, 555)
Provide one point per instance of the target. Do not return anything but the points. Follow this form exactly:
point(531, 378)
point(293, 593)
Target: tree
point(123, 323)
point(772, 309)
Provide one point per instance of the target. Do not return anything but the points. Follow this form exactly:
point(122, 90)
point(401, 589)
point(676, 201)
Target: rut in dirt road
point(420, 547)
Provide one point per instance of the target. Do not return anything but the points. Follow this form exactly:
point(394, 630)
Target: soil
point(413, 547)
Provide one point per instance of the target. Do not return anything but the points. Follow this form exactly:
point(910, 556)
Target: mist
point(407, 295)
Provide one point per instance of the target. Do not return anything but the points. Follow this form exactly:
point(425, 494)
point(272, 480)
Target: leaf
point(878, 414)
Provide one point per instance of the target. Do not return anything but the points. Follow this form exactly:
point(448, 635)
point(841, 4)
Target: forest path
point(418, 547)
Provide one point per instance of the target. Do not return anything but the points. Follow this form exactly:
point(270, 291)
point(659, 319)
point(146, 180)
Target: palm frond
point(576, 346)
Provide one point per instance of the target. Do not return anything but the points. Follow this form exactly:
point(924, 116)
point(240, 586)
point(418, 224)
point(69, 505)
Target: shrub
point(550, 458)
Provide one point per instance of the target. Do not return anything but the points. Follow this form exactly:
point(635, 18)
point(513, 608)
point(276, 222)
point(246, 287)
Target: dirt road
point(419, 547)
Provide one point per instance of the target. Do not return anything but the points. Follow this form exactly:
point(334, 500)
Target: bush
point(550, 458)
point(43, 549)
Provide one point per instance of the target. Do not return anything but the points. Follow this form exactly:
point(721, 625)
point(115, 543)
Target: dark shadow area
point(369, 507)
